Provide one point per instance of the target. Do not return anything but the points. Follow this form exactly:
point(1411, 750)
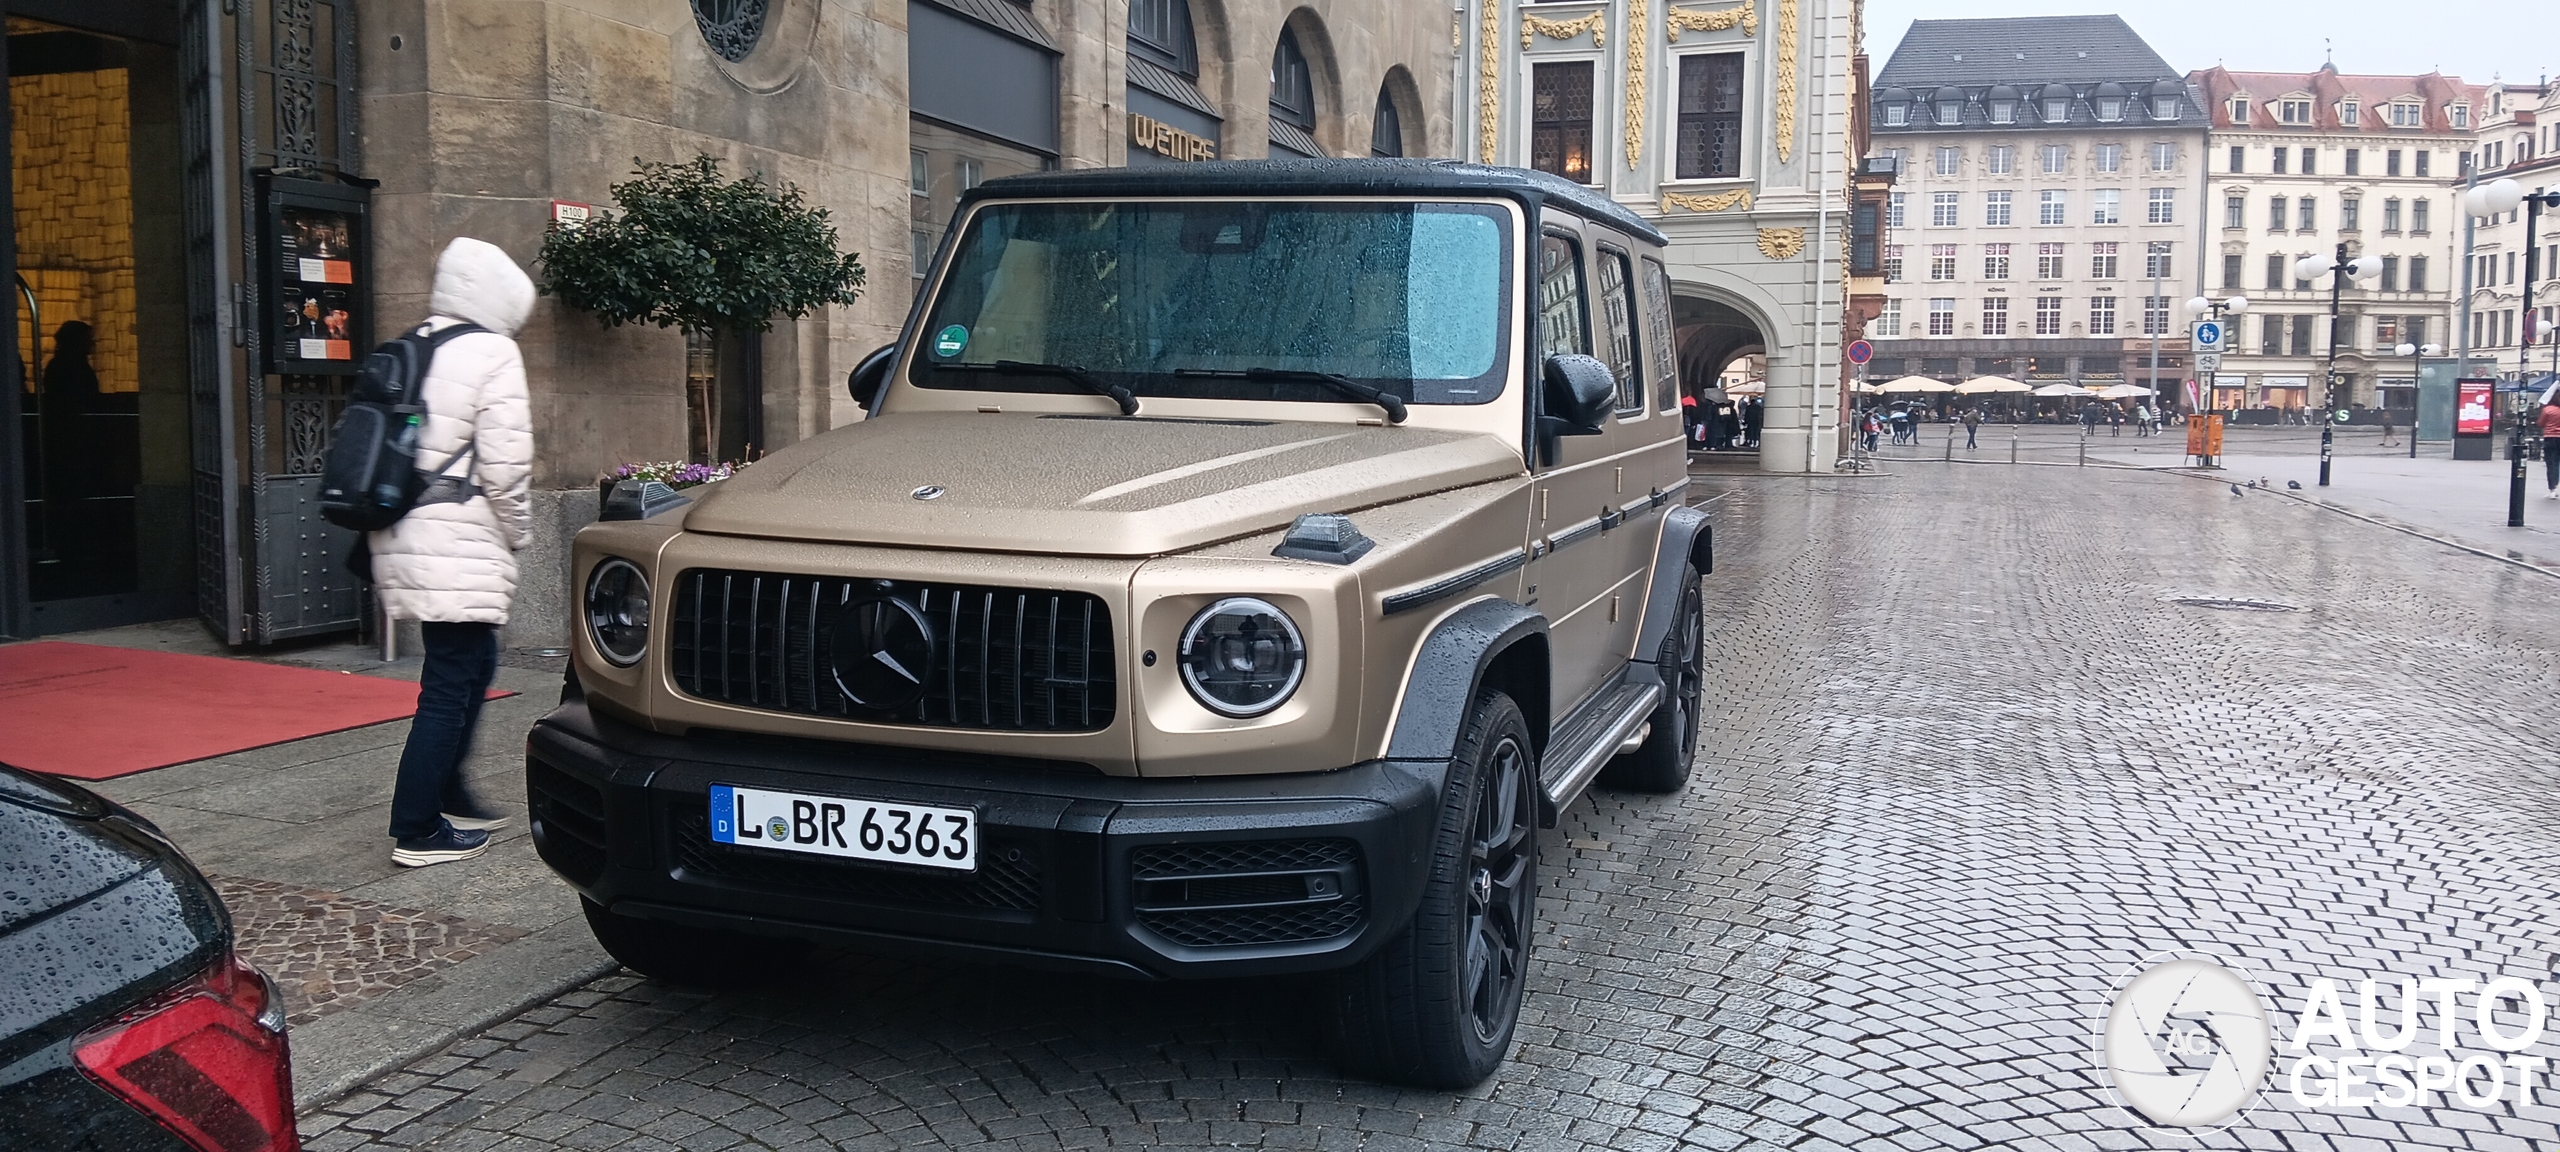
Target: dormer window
point(2350, 114)
point(2407, 114)
point(2057, 109)
point(1950, 110)
point(2461, 114)
point(2240, 111)
point(2004, 111)
point(2110, 108)
point(2293, 111)
point(1895, 104)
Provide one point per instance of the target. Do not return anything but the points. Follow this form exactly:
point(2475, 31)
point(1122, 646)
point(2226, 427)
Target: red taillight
point(207, 1060)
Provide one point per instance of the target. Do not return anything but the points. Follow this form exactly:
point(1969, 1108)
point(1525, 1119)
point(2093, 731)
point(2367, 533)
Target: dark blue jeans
point(461, 660)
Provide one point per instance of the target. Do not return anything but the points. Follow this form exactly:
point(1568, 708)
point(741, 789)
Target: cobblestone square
point(1969, 762)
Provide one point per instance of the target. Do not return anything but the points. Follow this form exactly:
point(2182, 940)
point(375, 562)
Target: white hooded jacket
point(456, 563)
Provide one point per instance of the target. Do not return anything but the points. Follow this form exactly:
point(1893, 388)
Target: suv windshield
point(1207, 298)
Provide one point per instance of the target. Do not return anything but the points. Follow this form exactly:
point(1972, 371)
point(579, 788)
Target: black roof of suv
point(1293, 177)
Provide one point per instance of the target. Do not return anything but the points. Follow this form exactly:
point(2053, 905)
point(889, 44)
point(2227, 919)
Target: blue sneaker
point(447, 845)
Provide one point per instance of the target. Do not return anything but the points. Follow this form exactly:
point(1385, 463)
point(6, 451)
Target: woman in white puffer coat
point(451, 562)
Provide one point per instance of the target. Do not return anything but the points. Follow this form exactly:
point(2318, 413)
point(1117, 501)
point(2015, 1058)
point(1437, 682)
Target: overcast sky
point(2285, 35)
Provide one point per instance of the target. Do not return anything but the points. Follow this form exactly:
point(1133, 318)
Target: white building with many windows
point(2301, 163)
point(2043, 226)
point(2518, 139)
point(1725, 122)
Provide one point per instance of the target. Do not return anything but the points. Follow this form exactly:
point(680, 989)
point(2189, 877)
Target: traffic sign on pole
point(2207, 336)
point(2208, 361)
point(1860, 351)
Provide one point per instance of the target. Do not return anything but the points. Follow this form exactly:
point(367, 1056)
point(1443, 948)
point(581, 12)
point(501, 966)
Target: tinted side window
point(1618, 326)
point(1657, 328)
point(1563, 325)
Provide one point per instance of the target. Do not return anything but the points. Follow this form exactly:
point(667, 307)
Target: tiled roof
point(2019, 58)
point(2329, 88)
point(2022, 50)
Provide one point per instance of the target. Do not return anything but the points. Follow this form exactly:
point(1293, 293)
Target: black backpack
point(371, 478)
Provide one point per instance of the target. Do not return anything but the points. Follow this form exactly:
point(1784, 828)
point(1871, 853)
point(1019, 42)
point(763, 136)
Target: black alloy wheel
point(1501, 863)
point(1661, 763)
point(1436, 1006)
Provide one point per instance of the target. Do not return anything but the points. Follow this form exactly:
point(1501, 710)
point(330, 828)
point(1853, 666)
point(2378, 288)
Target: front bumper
point(1199, 877)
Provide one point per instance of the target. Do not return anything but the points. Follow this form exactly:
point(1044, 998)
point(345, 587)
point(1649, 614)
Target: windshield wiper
point(1127, 400)
point(1392, 403)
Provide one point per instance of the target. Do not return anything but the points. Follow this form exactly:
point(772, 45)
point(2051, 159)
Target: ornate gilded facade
point(1726, 123)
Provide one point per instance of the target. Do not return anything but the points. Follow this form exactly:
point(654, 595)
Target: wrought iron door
point(271, 90)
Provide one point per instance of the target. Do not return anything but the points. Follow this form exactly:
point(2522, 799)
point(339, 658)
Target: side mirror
point(871, 377)
point(1580, 390)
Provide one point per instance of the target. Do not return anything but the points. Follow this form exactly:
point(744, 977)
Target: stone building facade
point(2043, 223)
point(2518, 139)
point(2301, 163)
point(1728, 125)
point(405, 123)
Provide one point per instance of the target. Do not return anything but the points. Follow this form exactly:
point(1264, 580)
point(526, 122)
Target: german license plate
point(891, 832)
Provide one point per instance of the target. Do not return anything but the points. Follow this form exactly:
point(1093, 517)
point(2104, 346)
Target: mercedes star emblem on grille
point(928, 492)
point(881, 649)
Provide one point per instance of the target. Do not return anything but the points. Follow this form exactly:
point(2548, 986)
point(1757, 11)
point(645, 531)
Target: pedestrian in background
point(1972, 425)
point(2551, 448)
point(450, 564)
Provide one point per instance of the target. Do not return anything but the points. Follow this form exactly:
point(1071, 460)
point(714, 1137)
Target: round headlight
point(618, 611)
point(1242, 657)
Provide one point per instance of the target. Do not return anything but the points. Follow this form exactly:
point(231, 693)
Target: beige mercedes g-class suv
point(1238, 567)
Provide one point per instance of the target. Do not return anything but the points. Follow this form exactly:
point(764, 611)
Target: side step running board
point(1588, 742)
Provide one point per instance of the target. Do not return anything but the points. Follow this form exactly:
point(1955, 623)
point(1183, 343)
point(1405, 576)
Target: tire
point(1661, 763)
point(693, 957)
point(1436, 1007)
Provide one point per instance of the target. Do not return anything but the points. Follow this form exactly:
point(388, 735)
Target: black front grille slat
point(1000, 651)
point(1242, 892)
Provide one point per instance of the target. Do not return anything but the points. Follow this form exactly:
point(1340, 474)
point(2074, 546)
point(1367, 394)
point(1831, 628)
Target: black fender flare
point(1686, 540)
point(1461, 652)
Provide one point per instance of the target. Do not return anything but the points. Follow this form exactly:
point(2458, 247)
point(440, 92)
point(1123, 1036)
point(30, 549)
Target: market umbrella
point(2122, 392)
point(1917, 384)
point(2060, 389)
point(1980, 385)
point(1749, 388)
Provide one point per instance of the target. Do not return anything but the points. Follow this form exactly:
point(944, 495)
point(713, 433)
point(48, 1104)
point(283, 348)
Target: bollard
point(2013, 447)
point(2084, 452)
point(1951, 445)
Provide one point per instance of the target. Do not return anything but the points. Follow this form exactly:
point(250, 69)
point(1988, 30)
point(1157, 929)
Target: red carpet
point(92, 712)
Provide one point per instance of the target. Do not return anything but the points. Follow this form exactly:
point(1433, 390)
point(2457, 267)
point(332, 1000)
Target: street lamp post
point(2414, 352)
point(2503, 195)
point(2339, 271)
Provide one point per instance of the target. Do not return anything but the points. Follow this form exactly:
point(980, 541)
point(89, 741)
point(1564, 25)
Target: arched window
point(1161, 31)
point(1386, 132)
point(1293, 92)
point(1293, 100)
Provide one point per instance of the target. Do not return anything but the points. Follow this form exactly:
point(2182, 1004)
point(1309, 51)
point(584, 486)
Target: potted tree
point(685, 248)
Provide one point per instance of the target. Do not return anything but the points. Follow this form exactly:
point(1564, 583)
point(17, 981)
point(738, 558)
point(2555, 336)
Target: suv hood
point(1084, 485)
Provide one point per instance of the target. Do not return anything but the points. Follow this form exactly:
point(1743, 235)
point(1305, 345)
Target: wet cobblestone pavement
point(1968, 765)
point(330, 951)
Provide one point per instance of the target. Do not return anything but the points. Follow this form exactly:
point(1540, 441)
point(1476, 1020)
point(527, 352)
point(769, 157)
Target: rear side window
point(1563, 323)
point(1618, 326)
point(1657, 327)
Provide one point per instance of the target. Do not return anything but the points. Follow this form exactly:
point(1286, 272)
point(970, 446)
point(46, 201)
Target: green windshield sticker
point(948, 342)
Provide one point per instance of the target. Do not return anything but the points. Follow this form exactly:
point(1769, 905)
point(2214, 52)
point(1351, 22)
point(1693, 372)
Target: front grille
point(568, 821)
point(1010, 659)
point(1007, 879)
point(1223, 895)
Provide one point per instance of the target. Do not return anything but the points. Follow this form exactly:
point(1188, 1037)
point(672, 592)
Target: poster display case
point(316, 277)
